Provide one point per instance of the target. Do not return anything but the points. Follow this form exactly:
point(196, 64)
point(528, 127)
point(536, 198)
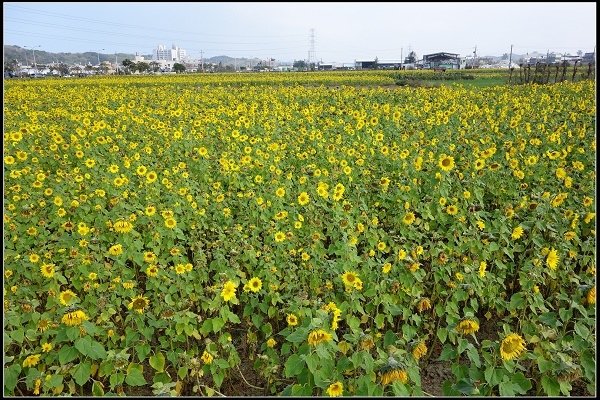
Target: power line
point(96, 21)
point(130, 34)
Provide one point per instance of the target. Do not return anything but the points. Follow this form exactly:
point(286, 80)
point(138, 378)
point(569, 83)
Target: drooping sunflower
point(394, 375)
point(31, 361)
point(552, 259)
point(122, 226)
point(591, 296)
point(206, 358)
point(512, 346)
point(318, 336)
point(139, 303)
point(420, 350)
point(74, 318)
point(467, 326)
point(424, 304)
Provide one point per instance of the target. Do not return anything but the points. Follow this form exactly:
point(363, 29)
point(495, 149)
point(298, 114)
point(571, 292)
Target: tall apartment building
point(173, 54)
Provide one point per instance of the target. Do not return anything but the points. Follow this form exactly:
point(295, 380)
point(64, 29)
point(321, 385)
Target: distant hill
point(45, 57)
point(226, 60)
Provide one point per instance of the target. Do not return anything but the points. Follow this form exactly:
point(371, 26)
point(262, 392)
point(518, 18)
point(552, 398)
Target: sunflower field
point(298, 234)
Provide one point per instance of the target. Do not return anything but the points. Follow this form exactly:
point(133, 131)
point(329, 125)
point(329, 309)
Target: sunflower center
point(446, 162)
point(510, 346)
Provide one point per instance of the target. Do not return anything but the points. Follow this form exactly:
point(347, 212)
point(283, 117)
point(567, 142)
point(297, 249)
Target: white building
point(173, 54)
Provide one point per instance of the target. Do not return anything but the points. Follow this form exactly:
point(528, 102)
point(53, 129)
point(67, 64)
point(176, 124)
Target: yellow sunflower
point(512, 346)
point(468, 326)
point(139, 303)
point(66, 297)
point(446, 163)
point(335, 389)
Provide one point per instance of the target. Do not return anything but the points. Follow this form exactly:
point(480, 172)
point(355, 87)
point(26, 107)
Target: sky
point(343, 32)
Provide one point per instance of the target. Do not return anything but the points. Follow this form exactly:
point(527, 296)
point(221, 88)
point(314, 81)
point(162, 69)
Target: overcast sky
point(343, 32)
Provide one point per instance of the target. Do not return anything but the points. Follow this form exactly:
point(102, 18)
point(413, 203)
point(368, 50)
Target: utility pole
point(401, 56)
point(510, 57)
point(474, 56)
point(116, 64)
point(202, 59)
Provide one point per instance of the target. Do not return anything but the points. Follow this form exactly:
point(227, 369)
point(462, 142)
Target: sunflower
point(335, 389)
point(271, 342)
point(206, 358)
point(292, 320)
point(408, 218)
point(591, 296)
point(115, 250)
point(180, 269)
point(446, 163)
point(420, 350)
point(122, 226)
point(386, 268)
point(139, 303)
point(279, 236)
point(349, 278)
point(47, 270)
point(228, 291)
point(318, 336)
point(303, 198)
point(254, 284)
point(170, 223)
point(452, 209)
point(280, 192)
point(512, 346)
point(46, 347)
point(482, 267)
point(152, 271)
point(424, 304)
point(394, 375)
point(517, 232)
point(66, 297)
point(74, 318)
point(552, 259)
point(31, 361)
point(479, 164)
point(468, 326)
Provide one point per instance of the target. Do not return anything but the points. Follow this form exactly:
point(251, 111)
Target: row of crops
point(299, 235)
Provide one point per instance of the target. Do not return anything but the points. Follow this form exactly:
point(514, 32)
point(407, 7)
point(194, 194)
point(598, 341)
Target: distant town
point(21, 62)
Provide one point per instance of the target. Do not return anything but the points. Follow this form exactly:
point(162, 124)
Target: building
point(442, 60)
point(173, 54)
point(389, 64)
point(365, 63)
point(589, 58)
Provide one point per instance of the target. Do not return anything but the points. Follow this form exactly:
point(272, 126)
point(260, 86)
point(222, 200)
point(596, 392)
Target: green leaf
point(84, 345)
point(135, 375)
point(11, 376)
point(82, 373)
point(157, 362)
point(448, 353)
point(217, 324)
point(516, 302)
point(379, 321)
point(353, 323)
point(142, 351)
point(507, 388)
point(442, 334)
point(582, 330)
point(299, 335)
point(550, 385)
point(550, 319)
point(588, 363)
point(523, 383)
point(218, 379)
point(293, 366)
point(106, 368)
point(182, 372)
point(116, 379)
point(389, 338)
point(464, 386)
point(67, 354)
point(206, 327)
point(474, 356)
point(97, 389)
point(97, 351)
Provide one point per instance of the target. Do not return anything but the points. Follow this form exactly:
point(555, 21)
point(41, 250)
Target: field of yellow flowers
point(172, 235)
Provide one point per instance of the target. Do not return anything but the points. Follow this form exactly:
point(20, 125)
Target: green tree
point(128, 65)
point(142, 66)
point(178, 68)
